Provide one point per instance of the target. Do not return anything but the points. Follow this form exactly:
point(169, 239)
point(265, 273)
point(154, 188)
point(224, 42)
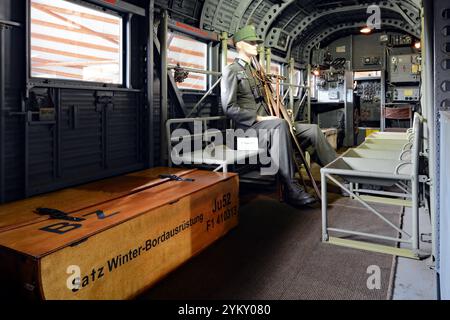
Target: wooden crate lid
point(20, 213)
point(32, 241)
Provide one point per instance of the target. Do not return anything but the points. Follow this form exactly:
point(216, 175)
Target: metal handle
point(396, 171)
point(404, 152)
point(74, 117)
point(409, 144)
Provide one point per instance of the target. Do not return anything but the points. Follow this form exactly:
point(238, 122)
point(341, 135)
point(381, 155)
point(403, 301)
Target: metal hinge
point(423, 235)
point(29, 287)
point(424, 179)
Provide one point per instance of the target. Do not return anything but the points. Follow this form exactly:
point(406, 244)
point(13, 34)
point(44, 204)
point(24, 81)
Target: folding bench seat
point(219, 156)
point(386, 172)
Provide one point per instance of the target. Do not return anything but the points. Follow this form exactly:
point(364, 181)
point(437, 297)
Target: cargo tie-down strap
point(175, 177)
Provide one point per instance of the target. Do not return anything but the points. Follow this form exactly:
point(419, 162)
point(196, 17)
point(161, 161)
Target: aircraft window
point(73, 42)
point(297, 81)
point(275, 68)
point(313, 87)
point(189, 53)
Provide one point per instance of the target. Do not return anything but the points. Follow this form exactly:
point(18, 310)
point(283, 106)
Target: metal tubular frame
point(192, 31)
point(177, 93)
point(150, 77)
point(164, 83)
point(127, 81)
point(194, 70)
point(121, 6)
point(309, 91)
point(428, 106)
point(3, 26)
point(268, 59)
point(2, 114)
point(329, 172)
point(204, 97)
point(262, 56)
point(204, 122)
point(291, 84)
point(224, 49)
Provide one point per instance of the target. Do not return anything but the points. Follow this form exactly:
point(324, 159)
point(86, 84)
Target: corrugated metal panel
point(81, 134)
point(14, 149)
point(209, 9)
point(80, 155)
point(250, 9)
point(258, 14)
point(293, 24)
point(186, 8)
point(218, 14)
point(124, 131)
point(94, 141)
point(208, 108)
point(41, 156)
point(225, 15)
point(14, 125)
point(156, 118)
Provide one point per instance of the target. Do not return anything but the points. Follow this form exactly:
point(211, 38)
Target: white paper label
point(247, 144)
point(341, 49)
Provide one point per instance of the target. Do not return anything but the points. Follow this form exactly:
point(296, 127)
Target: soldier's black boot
point(296, 194)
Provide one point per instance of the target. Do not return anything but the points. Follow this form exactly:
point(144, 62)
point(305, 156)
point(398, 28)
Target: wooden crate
point(129, 239)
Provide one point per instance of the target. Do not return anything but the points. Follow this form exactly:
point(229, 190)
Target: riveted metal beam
point(213, 8)
point(121, 6)
point(239, 14)
point(389, 6)
point(404, 14)
point(270, 16)
point(223, 15)
point(208, 12)
point(253, 11)
point(394, 23)
point(218, 10)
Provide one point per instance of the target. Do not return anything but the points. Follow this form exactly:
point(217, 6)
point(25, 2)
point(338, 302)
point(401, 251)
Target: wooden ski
point(277, 107)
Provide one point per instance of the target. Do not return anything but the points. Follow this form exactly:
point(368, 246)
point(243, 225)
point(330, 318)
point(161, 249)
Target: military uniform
point(242, 101)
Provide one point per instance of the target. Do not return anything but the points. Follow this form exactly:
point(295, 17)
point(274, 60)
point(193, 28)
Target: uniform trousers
point(275, 137)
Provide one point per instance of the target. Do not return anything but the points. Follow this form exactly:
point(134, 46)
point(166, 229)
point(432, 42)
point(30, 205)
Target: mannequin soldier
point(242, 101)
